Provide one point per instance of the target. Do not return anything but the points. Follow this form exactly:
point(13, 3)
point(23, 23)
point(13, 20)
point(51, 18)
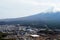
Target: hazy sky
point(21, 8)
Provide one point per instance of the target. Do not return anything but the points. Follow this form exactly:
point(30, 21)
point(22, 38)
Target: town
point(18, 32)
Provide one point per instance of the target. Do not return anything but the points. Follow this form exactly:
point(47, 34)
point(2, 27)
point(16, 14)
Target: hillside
point(51, 19)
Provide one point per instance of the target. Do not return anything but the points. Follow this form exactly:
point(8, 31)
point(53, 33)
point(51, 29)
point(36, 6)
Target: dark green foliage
point(2, 35)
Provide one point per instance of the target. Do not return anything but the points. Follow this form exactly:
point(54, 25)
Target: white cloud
point(20, 8)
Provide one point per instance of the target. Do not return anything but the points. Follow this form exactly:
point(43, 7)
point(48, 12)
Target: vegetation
point(2, 35)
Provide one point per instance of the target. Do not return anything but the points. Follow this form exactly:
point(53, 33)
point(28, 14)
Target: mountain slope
point(48, 18)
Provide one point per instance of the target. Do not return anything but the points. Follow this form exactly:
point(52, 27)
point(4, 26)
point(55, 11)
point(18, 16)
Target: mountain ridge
point(48, 18)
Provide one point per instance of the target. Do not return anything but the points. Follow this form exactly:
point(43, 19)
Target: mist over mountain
point(49, 18)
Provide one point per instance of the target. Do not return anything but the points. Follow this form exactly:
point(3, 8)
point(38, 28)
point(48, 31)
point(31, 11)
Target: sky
point(22, 8)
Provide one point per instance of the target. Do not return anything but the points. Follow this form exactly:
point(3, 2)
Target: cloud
point(20, 8)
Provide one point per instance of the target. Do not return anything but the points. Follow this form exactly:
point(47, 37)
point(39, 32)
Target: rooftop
point(35, 35)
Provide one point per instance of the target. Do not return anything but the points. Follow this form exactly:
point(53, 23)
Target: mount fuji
point(45, 18)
